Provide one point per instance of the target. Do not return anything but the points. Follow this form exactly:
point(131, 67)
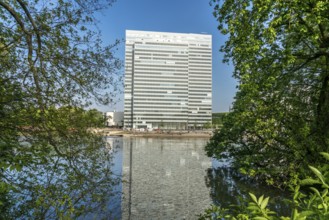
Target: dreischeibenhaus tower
point(168, 80)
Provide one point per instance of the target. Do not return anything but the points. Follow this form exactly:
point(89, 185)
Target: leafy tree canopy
point(280, 52)
point(217, 118)
point(52, 65)
point(304, 204)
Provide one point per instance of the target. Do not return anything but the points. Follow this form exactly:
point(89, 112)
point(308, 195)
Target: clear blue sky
point(182, 16)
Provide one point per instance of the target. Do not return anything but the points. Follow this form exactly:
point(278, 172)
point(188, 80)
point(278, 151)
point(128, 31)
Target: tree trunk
point(322, 117)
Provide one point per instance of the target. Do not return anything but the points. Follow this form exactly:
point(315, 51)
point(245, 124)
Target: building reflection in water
point(164, 178)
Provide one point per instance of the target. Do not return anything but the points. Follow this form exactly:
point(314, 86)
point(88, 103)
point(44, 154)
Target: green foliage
point(279, 120)
point(76, 118)
point(256, 209)
point(70, 185)
point(217, 119)
point(207, 125)
point(312, 203)
point(53, 65)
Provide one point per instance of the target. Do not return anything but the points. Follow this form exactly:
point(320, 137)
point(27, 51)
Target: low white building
point(114, 119)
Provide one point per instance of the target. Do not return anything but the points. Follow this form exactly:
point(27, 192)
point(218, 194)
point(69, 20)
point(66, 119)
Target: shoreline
point(154, 134)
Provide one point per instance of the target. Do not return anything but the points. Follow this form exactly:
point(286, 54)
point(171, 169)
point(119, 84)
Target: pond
point(172, 178)
point(129, 178)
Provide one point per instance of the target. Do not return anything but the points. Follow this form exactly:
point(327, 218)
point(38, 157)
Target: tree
point(207, 125)
point(310, 204)
point(52, 65)
point(280, 52)
point(217, 118)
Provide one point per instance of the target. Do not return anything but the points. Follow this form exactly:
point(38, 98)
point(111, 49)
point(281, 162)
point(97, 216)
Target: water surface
point(164, 178)
point(172, 178)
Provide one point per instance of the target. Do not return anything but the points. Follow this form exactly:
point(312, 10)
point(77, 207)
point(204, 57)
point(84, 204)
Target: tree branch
point(35, 28)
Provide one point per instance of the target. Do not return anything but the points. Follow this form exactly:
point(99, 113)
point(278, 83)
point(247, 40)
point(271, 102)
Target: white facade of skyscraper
point(168, 80)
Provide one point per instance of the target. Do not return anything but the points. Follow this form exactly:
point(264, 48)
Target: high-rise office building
point(168, 80)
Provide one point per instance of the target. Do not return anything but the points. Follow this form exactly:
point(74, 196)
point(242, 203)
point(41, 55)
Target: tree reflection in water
point(79, 183)
point(228, 187)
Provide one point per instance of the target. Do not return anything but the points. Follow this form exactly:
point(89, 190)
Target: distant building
point(114, 119)
point(168, 80)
